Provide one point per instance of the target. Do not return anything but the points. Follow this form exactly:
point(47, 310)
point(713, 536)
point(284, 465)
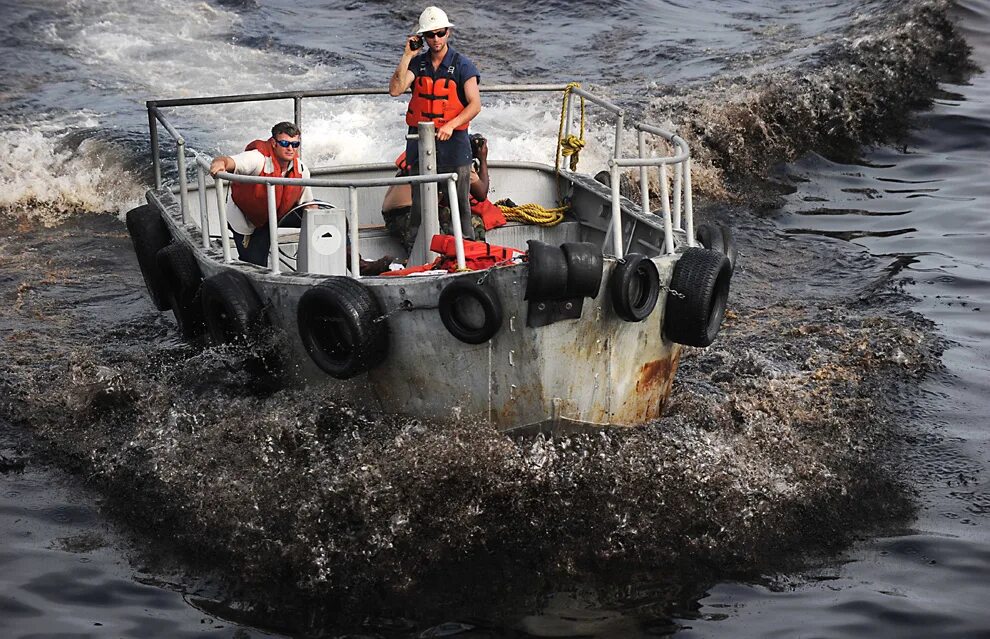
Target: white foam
point(174, 48)
point(46, 183)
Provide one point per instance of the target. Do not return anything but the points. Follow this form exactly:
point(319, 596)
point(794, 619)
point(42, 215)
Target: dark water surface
point(924, 208)
point(912, 216)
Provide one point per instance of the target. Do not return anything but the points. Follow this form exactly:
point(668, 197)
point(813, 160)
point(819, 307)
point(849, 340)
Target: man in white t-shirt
point(247, 206)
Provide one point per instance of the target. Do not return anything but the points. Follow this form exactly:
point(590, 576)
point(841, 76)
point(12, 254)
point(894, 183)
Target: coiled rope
point(533, 214)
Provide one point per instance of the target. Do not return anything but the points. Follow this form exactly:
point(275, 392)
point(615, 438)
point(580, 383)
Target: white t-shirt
point(251, 163)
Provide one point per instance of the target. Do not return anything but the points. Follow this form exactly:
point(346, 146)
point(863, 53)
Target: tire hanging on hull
point(471, 312)
point(697, 297)
point(182, 278)
point(232, 311)
point(150, 234)
point(340, 324)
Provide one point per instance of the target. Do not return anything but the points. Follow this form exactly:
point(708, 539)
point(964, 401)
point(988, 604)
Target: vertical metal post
point(644, 177)
point(353, 222)
point(668, 226)
point(429, 224)
point(678, 171)
point(455, 221)
point(688, 203)
point(180, 149)
point(222, 214)
point(156, 161)
point(619, 121)
point(204, 212)
point(570, 115)
point(272, 229)
point(297, 114)
point(616, 229)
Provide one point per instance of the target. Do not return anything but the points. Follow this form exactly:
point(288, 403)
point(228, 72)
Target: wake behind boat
point(577, 321)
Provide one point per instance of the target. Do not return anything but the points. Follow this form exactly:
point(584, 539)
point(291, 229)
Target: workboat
point(576, 321)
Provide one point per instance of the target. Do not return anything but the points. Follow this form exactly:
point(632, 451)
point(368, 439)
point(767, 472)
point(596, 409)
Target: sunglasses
point(435, 34)
point(286, 144)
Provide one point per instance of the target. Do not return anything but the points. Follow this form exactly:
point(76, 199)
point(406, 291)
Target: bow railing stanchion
point(353, 221)
point(668, 224)
point(644, 178)
point(688, 204)
point(620, 118)
point(222, 213)
point(297, 116)
point(204, 214)
point(678, 172)
point(455, 221)
point(180, 160)
point(570, 118)
point(156, 160)
point(272, 228)
point(616, 228)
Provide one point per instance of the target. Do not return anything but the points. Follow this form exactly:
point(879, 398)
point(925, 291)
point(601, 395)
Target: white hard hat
point(432, 18)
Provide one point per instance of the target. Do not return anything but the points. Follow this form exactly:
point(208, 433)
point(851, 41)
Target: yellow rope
point(533, 214)
point(571, 145)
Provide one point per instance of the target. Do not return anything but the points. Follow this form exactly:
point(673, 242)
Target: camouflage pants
point(398, 225)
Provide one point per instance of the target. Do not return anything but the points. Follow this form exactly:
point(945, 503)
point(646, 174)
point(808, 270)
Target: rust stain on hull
point(654, 382)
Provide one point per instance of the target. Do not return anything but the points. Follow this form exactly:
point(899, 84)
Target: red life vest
point(252, 199)
point(477, 256)
point(402, 164)
point(435, 100)
point(491, 216)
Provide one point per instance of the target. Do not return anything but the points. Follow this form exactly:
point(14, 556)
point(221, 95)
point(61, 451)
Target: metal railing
point(670, 211)
point(352, 185)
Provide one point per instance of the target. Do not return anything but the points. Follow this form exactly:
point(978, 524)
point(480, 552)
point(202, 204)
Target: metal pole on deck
point(688, 204)
point(678, 171)
point(429, 224)
point(204, 216)
point(297, 114)
point(619, 120)
point(644, 178)
point(455, 221)
point(155, 159)
point(272, 229)
point(616, 229)
point(222, 213)
point(668, 225)
point(355, 231)
point(183, 181)
point(570, 116)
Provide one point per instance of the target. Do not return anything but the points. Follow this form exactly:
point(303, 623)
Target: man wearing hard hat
point(445, 90)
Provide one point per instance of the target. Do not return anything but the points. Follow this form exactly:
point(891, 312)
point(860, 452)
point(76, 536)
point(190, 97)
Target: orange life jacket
point(491, 216)
point(477, 256)
point(402, 164)
point(252, 199)
point(437, 99)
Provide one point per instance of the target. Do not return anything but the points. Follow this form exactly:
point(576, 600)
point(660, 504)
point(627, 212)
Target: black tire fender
point(471, 312)
point(730, 251)
point(341, 325)
point(699, 288)
point(150, 234)
point(710, 237)
point(585, 266)
point(182, 278)
point(718, 238)
point(232, 311)
point(635, 287)
point(547, 271)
